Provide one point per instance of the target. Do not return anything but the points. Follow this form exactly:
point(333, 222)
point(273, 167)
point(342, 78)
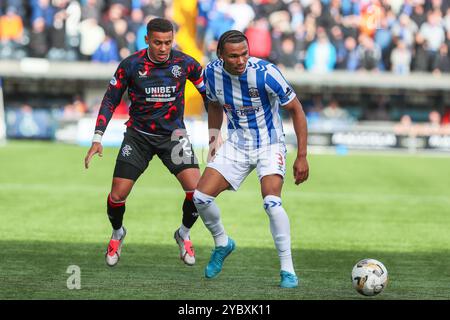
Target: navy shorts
point(138, 149)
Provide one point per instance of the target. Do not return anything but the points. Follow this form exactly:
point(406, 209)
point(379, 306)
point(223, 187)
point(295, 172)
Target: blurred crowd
point(325, 35)
point(71, 30)
point(316, 35)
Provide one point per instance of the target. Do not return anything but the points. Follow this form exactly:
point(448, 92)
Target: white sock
point(184, 232)
point(280, 228)
point(117, 234)
point(210, 214)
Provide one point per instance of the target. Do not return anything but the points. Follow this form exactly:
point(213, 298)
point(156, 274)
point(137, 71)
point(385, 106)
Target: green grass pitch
point(394, 208)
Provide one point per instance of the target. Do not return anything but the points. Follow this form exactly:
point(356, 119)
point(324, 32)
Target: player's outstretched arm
point(96, 147)
point(111, 100)
point(301, 167)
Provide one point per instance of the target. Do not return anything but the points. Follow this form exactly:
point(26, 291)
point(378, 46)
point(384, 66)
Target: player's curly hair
point(231, 36)
point(159, 25)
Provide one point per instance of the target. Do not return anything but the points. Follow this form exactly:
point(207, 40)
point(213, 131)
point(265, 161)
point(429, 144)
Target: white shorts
point(236, 164)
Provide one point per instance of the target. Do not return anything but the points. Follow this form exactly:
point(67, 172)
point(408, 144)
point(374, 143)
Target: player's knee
point(117, 197)
point(202, 200)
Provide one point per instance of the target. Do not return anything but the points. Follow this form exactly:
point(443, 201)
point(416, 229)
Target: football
point(369, 277)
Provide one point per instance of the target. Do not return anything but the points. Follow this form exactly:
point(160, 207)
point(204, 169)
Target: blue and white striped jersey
point(251, 101)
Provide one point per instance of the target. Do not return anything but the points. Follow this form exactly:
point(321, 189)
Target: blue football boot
point(217, 257)
point(288, 280)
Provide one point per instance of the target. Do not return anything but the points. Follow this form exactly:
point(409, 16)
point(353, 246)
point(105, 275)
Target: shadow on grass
point(38, 270)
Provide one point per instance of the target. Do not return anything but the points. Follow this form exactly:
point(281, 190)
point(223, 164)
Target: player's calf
point(115, 210)
point(280, 229)
point(210, 214)
point(190, 212)
point(181, 236)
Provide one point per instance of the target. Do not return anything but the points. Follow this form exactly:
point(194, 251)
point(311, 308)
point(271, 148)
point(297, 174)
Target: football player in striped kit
point(250, 91)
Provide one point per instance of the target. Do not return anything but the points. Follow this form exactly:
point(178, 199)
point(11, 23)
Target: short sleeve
point(278, 85)
point(208, 77)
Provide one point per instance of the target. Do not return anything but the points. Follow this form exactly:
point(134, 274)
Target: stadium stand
point(396, 35)
point(379, 60)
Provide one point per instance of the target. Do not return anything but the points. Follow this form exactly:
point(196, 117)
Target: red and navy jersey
point(156, 92)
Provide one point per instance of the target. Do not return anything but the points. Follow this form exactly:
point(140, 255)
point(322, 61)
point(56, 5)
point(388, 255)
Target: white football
point(369, 277)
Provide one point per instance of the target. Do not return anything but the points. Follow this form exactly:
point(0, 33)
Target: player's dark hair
point(159, 25)
point(231, 36)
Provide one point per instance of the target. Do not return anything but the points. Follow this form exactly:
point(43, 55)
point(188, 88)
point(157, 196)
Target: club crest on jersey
point(253, 92)
point(113, 81)
point(176, 71)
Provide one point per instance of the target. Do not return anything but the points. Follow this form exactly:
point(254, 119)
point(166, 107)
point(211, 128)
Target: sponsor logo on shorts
point(126, 150)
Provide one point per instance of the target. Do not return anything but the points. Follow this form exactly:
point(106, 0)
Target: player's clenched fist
point(301, 170)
